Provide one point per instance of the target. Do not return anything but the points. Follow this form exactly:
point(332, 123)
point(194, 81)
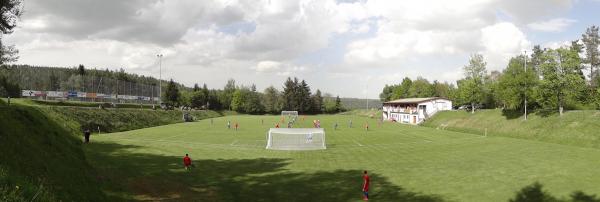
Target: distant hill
point(358, 103)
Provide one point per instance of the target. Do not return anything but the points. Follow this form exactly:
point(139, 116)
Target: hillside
point(115, 120)
point(358, 103)
point(42, 159)
point(578, 128)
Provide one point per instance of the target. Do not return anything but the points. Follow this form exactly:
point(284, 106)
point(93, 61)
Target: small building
point(414, 110)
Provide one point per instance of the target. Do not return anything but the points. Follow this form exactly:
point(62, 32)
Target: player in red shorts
point(365, 188)
point(187, 162)
point(277, 126)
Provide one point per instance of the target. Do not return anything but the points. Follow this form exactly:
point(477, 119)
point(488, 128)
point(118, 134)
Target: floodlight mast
point(525, 65)
point(159, 77)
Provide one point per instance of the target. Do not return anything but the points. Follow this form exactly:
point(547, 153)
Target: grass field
point(406, 163)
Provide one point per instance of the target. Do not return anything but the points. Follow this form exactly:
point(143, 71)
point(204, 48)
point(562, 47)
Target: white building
point(414, 110)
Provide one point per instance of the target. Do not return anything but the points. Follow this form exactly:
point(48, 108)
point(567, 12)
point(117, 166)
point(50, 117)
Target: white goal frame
point(296, 139)
point(289, 113)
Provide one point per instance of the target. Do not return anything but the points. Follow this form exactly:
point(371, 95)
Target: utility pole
point(367, 94)
point(159, 77)
point(525, 85)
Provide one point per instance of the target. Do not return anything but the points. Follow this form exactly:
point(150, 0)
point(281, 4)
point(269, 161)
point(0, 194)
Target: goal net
point(296, 139)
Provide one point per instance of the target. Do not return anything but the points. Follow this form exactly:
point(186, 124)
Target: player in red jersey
point(187, 162)
point(365, 188)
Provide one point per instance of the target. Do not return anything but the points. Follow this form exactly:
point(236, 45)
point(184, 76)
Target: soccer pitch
point(406, 163)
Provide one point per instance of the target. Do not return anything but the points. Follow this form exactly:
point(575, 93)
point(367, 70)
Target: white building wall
point(431, 108)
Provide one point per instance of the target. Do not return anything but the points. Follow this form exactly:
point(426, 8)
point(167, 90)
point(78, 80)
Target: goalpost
point(290, 115)
point(296, 139)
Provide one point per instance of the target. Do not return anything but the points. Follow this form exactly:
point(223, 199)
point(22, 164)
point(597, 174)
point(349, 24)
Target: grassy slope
point(41, 158)
point(88, 115)
point(580, 128)
point(114, 120)
point(27, 101)
point(407, 163)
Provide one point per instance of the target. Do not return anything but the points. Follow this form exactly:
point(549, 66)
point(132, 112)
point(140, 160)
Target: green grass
point(41, 159)
point(406, 163)
point(114, 120)
point(578, 128)
point(71, 103)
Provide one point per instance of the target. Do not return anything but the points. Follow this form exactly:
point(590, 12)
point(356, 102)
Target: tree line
point(545, 79)
point(78, 78)
point(296, 96)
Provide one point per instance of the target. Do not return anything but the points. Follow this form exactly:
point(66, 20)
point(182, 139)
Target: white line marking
point(360, 145)
point(233, 143)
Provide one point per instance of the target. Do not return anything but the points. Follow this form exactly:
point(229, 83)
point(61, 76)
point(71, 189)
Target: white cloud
point(267, 66)
point(431, 38)
point(553, 25)
point(502, 41)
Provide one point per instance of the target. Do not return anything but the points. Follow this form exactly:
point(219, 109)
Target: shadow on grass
point(511, 114)
point(161, 178)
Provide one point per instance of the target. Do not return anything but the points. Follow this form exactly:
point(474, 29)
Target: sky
point(350, 48)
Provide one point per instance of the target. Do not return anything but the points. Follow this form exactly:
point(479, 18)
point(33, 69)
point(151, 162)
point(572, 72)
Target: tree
point(8, 88)
point(304, 99)
point(198, 99)
point(10, 11)
point(517, 84)
point(338, 104)
point(237, 101)
point(271, 100)
point(471, 88)
point(172, 95)
point(441, 89)
point(196, 87)
point(317, 101)
point(591, 40)
point(252, 102)
point(387, 93)
point(81, 69)
point(420, 88)
point(290, 95)
point(246, 100)
point(402, 91)
point(560, 80)
point(227, 94)
point(54, 83)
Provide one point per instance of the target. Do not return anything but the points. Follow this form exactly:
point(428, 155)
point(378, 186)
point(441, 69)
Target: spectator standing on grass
point(86, 135)
point(350, 123)
point(335, 126)
point(228, 124)
point(365, 188)
point(8, 100)
point(187, 162)
point(277, 126)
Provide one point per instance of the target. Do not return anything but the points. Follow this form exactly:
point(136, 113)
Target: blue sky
point(339, 47)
